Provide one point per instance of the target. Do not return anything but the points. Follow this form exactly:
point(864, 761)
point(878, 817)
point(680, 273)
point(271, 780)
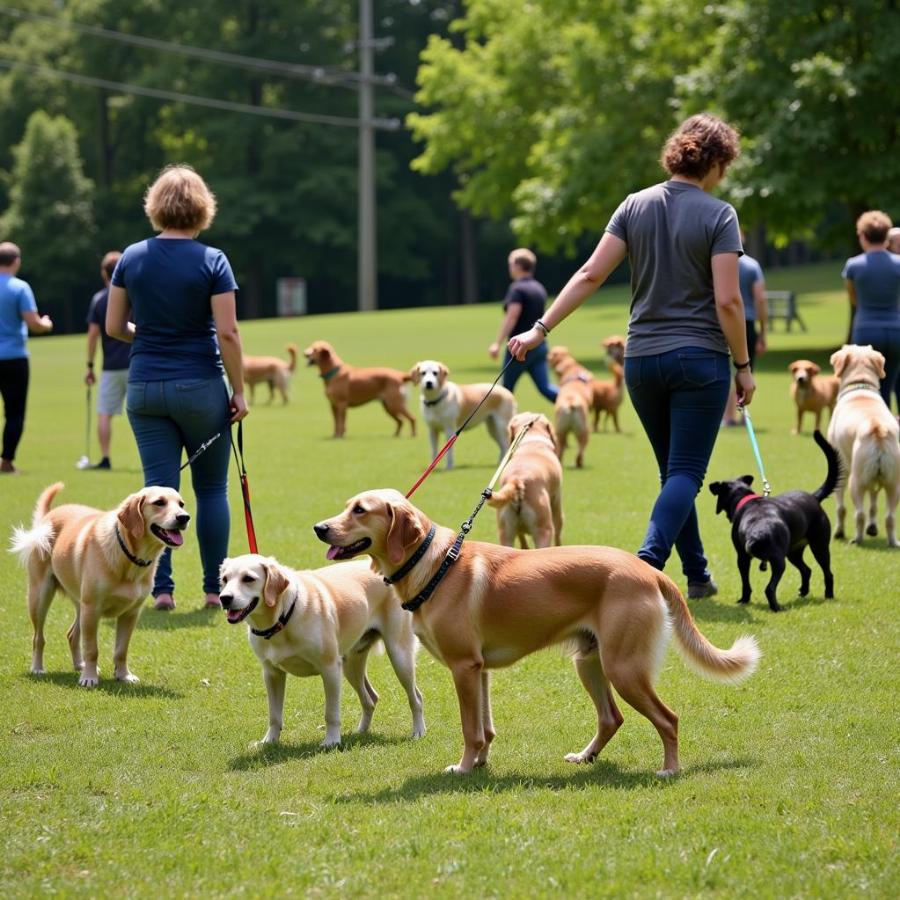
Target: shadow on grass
point(157, 620)
point(721, 608)
point(603, 773)
point(106, 686)
point(869, 545)
point(275, 754)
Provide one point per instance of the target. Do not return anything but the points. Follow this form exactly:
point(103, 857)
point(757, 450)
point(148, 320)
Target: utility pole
point(367, 269)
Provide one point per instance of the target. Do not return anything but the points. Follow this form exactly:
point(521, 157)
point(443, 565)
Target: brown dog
point(573, 402)
point(615, 348)
point(606, 397)
point(273, 371)
point(347, 386)
point(811, 391)
point(496, 605)
point(104, 561)
point(529, 499)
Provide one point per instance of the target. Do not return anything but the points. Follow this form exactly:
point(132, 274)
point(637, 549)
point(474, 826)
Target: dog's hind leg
point(872, 526)
point(355, 672)
point(857, 495)
point(890, 514)
point(402, 654)
point(74, 637)
point(557, 515)
point(397, 420)
point(744, 560)
point(795, 557)
point(40, 595)
point(822, 554)
point(839, 512)
point(777, 563)
point(497, 433)
point(590, 671)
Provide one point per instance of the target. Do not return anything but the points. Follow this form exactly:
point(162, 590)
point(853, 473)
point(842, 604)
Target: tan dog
point(606, 397)
point(347, 386)
point(812, 392)
point(273, 371)
point(529, 499)
point(573, 402)
point(496, 605)
point(446, 405)
point(866, 435)
point(104, 561)
point(615, 348)
point(321, 622)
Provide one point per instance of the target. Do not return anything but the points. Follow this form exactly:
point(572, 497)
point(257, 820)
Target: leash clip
point(454, 551)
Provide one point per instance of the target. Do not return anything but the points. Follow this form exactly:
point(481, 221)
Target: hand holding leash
point(520, 344)
point(238, 408)
point(745, 387)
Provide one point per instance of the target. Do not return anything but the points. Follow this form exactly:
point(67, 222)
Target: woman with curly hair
point(686, 314)
point(181, 296)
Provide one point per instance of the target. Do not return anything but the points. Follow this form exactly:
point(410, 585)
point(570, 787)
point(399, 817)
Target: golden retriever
point(104, 562)
point(529, 499)
point(573, 402)
point(497, 604)
point(273, 371)
point(614, 346)
point(606, 397)
point(812, 392)
point(866, 435)
point(446, 405)
point(321, 622)
point(347, 386)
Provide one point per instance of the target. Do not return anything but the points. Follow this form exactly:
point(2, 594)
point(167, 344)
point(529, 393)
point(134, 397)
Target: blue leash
point(752, 434)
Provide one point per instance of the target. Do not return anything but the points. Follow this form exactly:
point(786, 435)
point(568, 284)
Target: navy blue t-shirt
point(169, 282)
point(115, 353)
point(531, 296)
point(876, 276)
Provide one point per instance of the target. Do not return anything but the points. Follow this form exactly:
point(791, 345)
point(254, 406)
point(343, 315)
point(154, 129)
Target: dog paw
point(776, 607)
point(456, 770)
point(418, 732)
point(804, 590)
point(667, 773)
point(128, 678)
point(331, 742)
point(38, 671)
point(744, 600)
point(89, 681)
point(839, 534)
point(872, 529)
point(580, 758)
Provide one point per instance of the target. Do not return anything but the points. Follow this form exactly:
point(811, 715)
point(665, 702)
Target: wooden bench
point(783, 305)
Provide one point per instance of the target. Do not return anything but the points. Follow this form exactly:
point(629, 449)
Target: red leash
point(238, 451)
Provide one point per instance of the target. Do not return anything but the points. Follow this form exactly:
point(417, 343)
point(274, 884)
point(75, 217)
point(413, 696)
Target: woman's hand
point(745, 386)
point(520, 344)
point(238, 407)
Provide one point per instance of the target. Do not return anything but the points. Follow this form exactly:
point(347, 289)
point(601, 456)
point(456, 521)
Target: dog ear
point(415, 376)
point(276, 583)
point(878, 359)
point(839, 360)
point(443, 372)
point(792, 366)
point(131, 517)
point(715, 488)
point(747, 479)
point(815, 368)
point(405, 530)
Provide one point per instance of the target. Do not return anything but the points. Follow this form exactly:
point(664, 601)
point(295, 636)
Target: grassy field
point(790, 780)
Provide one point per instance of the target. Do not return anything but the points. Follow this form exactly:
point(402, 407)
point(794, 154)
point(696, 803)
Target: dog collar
point(858, 386)
point(451, 557)
point(407, 567)
point(327, 376)
point(436, 400)
point(283, 619)
point(745, 500)
point(143, 563)
point(581, 376)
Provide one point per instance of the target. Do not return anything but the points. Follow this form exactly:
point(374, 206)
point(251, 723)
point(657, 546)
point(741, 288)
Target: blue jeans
point(887, 342)
point(536, 366)
point(679, 397)
point(166, 417)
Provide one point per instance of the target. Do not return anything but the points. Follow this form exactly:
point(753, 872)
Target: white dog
point(320, 622)
point(866, 435)
point(446, 405)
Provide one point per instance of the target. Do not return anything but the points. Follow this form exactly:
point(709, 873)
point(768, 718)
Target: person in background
point(18, 317)
point(872, 280)
point(756, 313)
point(686, 314)
point(893, 240)
point(181, 296)
point(523, 304)
point(114, 377)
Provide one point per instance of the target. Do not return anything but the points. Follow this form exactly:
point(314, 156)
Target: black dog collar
point(283, 619)
point(451, 557)
point(407, 567)
point(437, 399)
point(325, 376)
point(143, 563)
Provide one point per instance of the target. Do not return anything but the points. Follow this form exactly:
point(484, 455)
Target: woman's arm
point(608, 254)
point(117, 312)
point(730, 311)
point(224, 310)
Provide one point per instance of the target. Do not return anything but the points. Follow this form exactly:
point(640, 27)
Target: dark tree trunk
point(469, 259)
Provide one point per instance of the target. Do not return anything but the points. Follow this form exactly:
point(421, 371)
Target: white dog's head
point(854, 362)
point(248, 579)
point(430, 374)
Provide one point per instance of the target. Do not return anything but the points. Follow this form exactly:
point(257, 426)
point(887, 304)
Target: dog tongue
point(332, 552)
point(175, 537)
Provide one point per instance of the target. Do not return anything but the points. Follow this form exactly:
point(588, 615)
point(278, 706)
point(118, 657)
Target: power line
point(196, 100)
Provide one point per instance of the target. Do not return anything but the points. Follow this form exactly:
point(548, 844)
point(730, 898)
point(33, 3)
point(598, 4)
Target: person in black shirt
point(524, 305)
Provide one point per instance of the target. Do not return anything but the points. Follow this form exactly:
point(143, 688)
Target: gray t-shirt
point(672, 231)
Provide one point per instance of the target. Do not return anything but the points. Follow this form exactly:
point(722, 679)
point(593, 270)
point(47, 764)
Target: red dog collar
point(745, 500)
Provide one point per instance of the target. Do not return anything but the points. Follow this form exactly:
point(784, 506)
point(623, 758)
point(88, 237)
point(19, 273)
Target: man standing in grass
point(114, 377)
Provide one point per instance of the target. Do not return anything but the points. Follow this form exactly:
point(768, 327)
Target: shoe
point(7, 468)
point(103, 464)
point(165, 602)
point(700, 589)
point(212, 602)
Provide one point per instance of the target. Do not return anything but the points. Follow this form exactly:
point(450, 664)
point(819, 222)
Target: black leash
point(201, 449)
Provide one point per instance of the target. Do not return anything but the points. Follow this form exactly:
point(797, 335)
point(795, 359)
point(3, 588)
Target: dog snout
point(321, 529)
point(182, 519)
point(226, 600)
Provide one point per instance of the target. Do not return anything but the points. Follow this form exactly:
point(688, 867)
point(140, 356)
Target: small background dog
point(337, 614)
point(529, 498)
point(811, 391)
point(347, 386)
point(446, 405)
point(273, 371)
point(573, 402)
point(75, 549)
point(773, 529)
point(866, 434)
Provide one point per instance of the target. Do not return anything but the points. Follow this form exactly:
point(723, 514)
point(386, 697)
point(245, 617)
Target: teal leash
point(753, 443)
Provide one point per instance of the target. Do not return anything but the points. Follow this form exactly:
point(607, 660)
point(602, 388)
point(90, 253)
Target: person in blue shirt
point(18, 316)
point(180, 295)
point(872, 280)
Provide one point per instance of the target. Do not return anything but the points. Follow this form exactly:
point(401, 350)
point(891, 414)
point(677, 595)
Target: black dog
point(777, 528)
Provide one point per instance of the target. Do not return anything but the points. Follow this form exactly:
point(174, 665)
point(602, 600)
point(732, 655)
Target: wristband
point(741, 366)
point(543, 327)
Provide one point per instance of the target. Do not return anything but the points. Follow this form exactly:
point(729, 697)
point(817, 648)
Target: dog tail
point(291, 350)
point(732, 666)
point(39, 538)
point(835, 469)
point(512, 491)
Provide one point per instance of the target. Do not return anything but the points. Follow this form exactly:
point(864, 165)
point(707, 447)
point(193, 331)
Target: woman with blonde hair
point(686, 314)
point(180, 295)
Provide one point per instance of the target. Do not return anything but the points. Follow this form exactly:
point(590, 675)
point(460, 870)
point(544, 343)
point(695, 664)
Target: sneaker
point(165, 602)
point(700, 589)
point(103, 464)
point(7, 468)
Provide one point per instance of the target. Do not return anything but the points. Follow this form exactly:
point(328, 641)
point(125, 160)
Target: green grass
point(790, 780)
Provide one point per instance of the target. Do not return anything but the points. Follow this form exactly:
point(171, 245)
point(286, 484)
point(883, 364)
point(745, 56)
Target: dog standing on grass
point(273, 371)
point(812, 392)
point(573, 402)
point(104, 562)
